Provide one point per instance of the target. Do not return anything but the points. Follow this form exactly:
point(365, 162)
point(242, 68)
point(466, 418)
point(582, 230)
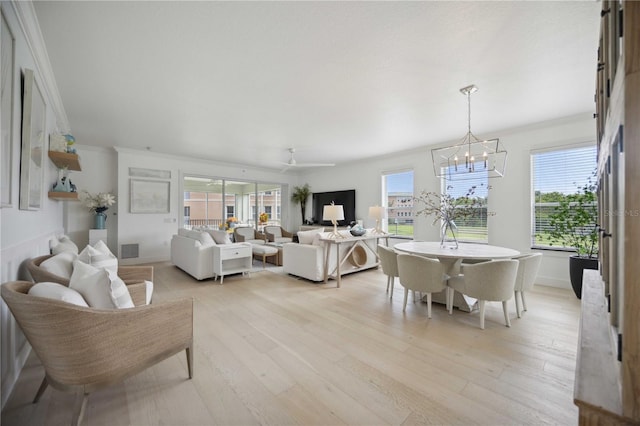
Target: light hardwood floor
point(272, 349)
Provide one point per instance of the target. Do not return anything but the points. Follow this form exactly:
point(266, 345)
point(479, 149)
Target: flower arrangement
point(99, 202)
point(264, 217)
point(447, 208)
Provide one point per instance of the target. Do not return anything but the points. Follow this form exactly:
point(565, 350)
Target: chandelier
point(471, 157)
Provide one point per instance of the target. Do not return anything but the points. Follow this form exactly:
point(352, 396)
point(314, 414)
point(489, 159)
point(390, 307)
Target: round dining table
point(452, 258)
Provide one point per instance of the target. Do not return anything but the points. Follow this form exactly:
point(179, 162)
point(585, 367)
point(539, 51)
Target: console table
point(355, 243)
point(232, 259)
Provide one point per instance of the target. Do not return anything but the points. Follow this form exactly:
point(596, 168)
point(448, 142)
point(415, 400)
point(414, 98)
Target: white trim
point(31, 29)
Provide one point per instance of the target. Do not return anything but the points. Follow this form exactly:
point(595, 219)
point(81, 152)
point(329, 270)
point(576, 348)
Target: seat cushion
point(263, 250)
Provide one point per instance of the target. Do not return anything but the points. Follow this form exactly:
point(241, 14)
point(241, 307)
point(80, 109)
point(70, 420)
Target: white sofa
point(192, 251)
point(306, 258)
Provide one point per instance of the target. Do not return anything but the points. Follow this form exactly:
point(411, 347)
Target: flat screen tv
point(345, 198)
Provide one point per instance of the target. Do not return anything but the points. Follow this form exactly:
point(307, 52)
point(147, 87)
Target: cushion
point(58, 292)
point(220, 237)
point(101, 288)
point(61, 264)
point(316, 239)
point(306, 237)
point(99, 256)
point(149, 288)
point(204, 237)
point(183, 232)
point(64, 245)
point(276, 231)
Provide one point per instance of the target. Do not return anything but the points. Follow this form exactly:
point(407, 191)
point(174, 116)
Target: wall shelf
point(64, 196)
point(64, 159)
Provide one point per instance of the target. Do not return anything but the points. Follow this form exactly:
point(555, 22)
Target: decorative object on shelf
point(378, 213)
point(98, 203)
point(334, 213)
point(574, 224)
point(300, 195)
point(57, 142)
point(263, 218)
point(64, 184)
point(70, 142)
point(447, 208)
point(471, 156)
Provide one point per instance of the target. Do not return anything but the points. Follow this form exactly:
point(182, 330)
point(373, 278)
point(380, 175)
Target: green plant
point(300, 195)
point(574, 221)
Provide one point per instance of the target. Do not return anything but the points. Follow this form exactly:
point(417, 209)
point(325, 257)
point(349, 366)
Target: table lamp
point(377, 213)
point(334, 214)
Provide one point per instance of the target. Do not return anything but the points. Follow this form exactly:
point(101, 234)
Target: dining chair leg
point(506, 313)
point(450, 298)
point(393, 280)
point(428, 305)
point(406, 295)
point(516, 293)
point(481, 306)
point(388, 282)
point(524, 302)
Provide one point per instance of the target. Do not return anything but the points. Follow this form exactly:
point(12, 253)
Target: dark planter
point(576, 267)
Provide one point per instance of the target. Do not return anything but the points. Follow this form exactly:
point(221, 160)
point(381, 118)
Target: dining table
point(452, 258)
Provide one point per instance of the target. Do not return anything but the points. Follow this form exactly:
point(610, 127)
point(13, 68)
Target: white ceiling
point(244, 81)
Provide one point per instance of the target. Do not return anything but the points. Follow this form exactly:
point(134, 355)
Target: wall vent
point(129, 251)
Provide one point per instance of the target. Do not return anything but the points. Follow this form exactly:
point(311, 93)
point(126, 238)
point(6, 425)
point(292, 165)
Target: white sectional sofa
point(193, 251)
point(306, 258)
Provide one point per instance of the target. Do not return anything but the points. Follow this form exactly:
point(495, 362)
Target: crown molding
point(31, 29)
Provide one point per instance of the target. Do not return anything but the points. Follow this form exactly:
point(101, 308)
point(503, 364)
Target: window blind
point(557, 173)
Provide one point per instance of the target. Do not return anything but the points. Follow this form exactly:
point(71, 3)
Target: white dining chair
point(421, 274)
point(528, 266)
point(487, 281)
point(389, 262)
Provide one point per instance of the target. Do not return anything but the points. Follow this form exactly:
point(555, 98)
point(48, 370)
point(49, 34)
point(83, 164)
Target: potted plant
point(300, 195)
point(574, 225)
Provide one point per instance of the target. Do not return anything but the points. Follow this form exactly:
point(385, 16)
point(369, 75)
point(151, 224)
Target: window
point(556, 174)
point(397, 197)
point(474, 227)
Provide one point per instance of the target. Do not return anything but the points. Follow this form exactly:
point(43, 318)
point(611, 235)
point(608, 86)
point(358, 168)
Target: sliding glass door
point(213, 202)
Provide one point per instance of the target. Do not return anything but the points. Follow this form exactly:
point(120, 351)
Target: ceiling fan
point(293, 163)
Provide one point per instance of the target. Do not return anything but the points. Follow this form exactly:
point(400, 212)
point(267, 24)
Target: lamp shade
point(332, 212)
point(377, 212)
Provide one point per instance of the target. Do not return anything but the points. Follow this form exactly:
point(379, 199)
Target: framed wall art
point(149, 196)
point(7, 51)
point(33, 143)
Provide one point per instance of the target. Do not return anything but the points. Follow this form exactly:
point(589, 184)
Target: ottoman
point(264, 251)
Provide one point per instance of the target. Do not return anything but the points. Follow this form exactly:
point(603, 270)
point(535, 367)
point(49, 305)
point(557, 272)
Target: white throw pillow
point(306, 237)
point(60, 264)
point(101, 288)
point(316, 239)
point(149, 287)
point(99, 257)
point(64, 245)
point(220, 237)
point(58, 292)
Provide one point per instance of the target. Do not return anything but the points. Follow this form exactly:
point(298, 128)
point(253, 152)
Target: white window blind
point(556, 174)
point(473, 228)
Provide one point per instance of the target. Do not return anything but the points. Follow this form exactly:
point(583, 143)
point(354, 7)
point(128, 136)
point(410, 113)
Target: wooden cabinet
point(607, 386)
point(70, 162)
point(232, 259)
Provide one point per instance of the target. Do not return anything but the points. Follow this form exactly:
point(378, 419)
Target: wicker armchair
point(86, 349)
point(133, 277)
point(277, 234)
point(246, 234)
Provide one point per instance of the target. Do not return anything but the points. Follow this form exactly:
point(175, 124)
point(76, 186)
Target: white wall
point(23, 234)
point(153, 232)
point(509, 198)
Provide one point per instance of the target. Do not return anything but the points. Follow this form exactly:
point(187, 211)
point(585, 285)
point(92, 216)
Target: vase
point(100, 218)
point(448, 231)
